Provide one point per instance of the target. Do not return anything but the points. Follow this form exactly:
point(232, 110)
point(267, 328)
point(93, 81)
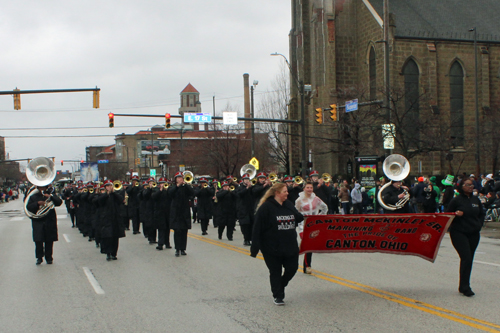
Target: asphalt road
point(218, 287)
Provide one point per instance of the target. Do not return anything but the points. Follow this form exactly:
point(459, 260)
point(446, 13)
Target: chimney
point(246, 94)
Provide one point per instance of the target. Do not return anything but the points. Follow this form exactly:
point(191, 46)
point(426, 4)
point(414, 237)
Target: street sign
point(182, 168)
point(197, 117)
point(388, 131)
point(152, 172)
point(230, 118)
point(102, 161)
point(255, 163)
point(351, 105)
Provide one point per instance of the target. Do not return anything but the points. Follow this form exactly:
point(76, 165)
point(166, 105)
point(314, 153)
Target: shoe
point(90, 239)
point(204, 233)
point(73, 226)
point(114, 258)
point(220, 237)
point(246, 243)
point(97, 245)
point(467, 292)
point(308, 270)
point(279, 301)
point(49, 262)
point(177, 254)
point(159, 247)
point(108, 257)
point(183, 253)
point(230, 239)
point(152, 242)
point(127, 228)
point(168, 247)
point(136, 232)
point(39, 261)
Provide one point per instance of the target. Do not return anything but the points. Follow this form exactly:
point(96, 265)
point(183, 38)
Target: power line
point(58, 136)
point(62, 128)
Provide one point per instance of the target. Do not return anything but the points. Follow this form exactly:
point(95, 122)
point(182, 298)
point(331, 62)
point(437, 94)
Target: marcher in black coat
point(133, 204)
point(430, 199)
point(293, 188)
point(143, 209)
point(44, 228)
point(112, 228)
point(124, 211)
point(245, 208)
point(180, 212)
point(68, 195)
point(464, 230)
point(274, 235)
point(161, 207)
point(227, 201)
point(259, 189)
point(392, 194)
point(204, 194)
point(147, 205)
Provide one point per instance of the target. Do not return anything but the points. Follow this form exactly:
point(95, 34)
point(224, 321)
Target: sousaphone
point(40, 172)
point(396, 167)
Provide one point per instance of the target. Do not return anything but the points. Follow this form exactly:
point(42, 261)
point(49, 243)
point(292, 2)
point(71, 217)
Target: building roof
point(444, 19)
point(190, 89)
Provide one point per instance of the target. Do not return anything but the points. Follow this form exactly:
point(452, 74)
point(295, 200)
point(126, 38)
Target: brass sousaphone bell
point(396, 167)
point(40, 172)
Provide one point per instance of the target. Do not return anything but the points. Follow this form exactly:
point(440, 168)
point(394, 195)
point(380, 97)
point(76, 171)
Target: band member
point(112, 228)
point(309, 204)
point(143, 207)
point(133, 203)
point(148, 212)
point(293, 188)
point(274, 235)
point(124, 208)
point(227, 201)
point(180, 213)
point(204, 194)
point(44, 228)
point(321, 189)
point(216, 207)
point(263, 184)
point(245, 208)
point(392, 194)
point(99, 223)
point(93, 213)
point(464, 230)
point(161, 206)
point(68, 195)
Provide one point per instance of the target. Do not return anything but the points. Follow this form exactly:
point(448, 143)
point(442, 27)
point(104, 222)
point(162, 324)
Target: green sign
point(152, 172)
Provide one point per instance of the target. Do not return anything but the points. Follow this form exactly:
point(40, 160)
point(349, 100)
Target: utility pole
point(387, 99)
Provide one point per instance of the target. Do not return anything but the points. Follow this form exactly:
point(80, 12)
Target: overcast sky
point(140, 53)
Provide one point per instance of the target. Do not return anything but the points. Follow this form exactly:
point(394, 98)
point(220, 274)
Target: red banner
point(408, 234)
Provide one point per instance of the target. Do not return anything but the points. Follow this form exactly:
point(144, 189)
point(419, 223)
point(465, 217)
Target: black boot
point(177, 254)
point(108, 257)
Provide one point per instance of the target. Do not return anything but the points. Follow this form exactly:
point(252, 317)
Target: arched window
point(372, 67)
point(457, 104)
point(412, 96)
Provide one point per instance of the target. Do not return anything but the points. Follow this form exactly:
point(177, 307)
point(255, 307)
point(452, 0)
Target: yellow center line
point(409, 302)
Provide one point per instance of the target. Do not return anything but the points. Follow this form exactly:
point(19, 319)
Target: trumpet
point(298, 180)
point(136, 184)
point(188, 177)
point(154, 185)
point(254, 181)
point(326, 177)
point(117, 185)
point(91, 190)
point(273, 177)
point(85, 190)
point(232, 188)
point(205, 185)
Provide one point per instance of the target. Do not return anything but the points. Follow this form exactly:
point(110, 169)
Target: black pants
point(46, 251)
point(195, 211)
point(230, 223)
point(246, 230)
point(307, 260)
point(109, 245)
point(72, 216)
point(152, 235)
point(466, 245)
point(279, 279)
point(357, 208)
point(164, 237)
point(180, 239)
point(126, 222)
point(134, 215)
point(204, 225)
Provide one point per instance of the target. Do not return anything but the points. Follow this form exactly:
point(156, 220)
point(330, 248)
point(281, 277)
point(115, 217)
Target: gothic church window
point(373, 74)
point(457, 104)
point(412, 107)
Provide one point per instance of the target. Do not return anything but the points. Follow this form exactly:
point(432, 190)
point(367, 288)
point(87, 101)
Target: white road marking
point(93, 282)
point(62, 216)
point(18, 218)
point(66, 238)
point(486, 263)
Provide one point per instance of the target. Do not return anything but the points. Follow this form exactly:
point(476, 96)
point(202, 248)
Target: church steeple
point(190, 102)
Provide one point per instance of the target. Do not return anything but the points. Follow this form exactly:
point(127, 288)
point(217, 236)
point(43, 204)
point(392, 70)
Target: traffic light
point(167, 120)
point(319, 115)
point(111, 119)
point(95, 100)
point(333, 111)
point(62, 162)
point(17, 100)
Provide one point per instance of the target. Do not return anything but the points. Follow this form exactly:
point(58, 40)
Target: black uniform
point(133, 206)
point(112, 228)
point(205, 202)
point(245, 211)
point(69, 194)
point(324, 193)
point(180, 214)
point(147, 206)
point(390, 196)
point(45, 228)
point(258, 191)
point(227, 202)
point(161, 207)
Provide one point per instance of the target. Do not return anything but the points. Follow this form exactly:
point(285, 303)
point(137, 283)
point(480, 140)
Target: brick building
point(337, 47)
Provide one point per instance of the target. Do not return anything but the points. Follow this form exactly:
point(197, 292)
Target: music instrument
point(396, 167)
point(188, 177)
point(85, 190)
point(205, 185)
point(117, 185)
point(326, 177)
point(298, 180)
point(273, 178)
point(91, 190)
point(40, 172)
point(250, 169)
point(136, 183)
point(254, 181)
point(154, 184)
point(232, 188)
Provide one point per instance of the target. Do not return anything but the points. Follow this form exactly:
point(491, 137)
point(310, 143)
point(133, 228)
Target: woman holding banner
point(274, 235)
point(464, 230)
point(310, 204)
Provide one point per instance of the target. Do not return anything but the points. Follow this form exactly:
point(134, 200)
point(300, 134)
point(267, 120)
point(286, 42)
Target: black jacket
point(245, 204)
point(227, 202)
point(112, 226)
point(473, 218)
point(323, 192)
point(133, 191)
point(180, 212)
point(258, 191)
point(205, 200)
point(274, 229)
point(390, 196)
point(161, 206)
point(45, 228)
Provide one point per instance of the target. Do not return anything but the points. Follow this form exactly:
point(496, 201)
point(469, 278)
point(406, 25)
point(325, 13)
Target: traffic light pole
point(303, 128)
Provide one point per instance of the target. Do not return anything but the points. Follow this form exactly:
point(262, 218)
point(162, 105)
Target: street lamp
point(254, 85)
point(478, 161)
point(300, 86)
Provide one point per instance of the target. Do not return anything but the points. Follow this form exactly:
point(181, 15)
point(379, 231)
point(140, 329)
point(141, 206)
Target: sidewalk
point(491, 230)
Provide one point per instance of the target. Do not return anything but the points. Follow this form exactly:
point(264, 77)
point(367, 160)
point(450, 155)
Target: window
point(411, 116)
point(373, 74)
point(457, 104)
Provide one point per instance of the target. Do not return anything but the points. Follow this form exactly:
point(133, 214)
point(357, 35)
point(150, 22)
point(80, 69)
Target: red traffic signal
point(167, 120)
point(111, 120)
point(62, 162)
